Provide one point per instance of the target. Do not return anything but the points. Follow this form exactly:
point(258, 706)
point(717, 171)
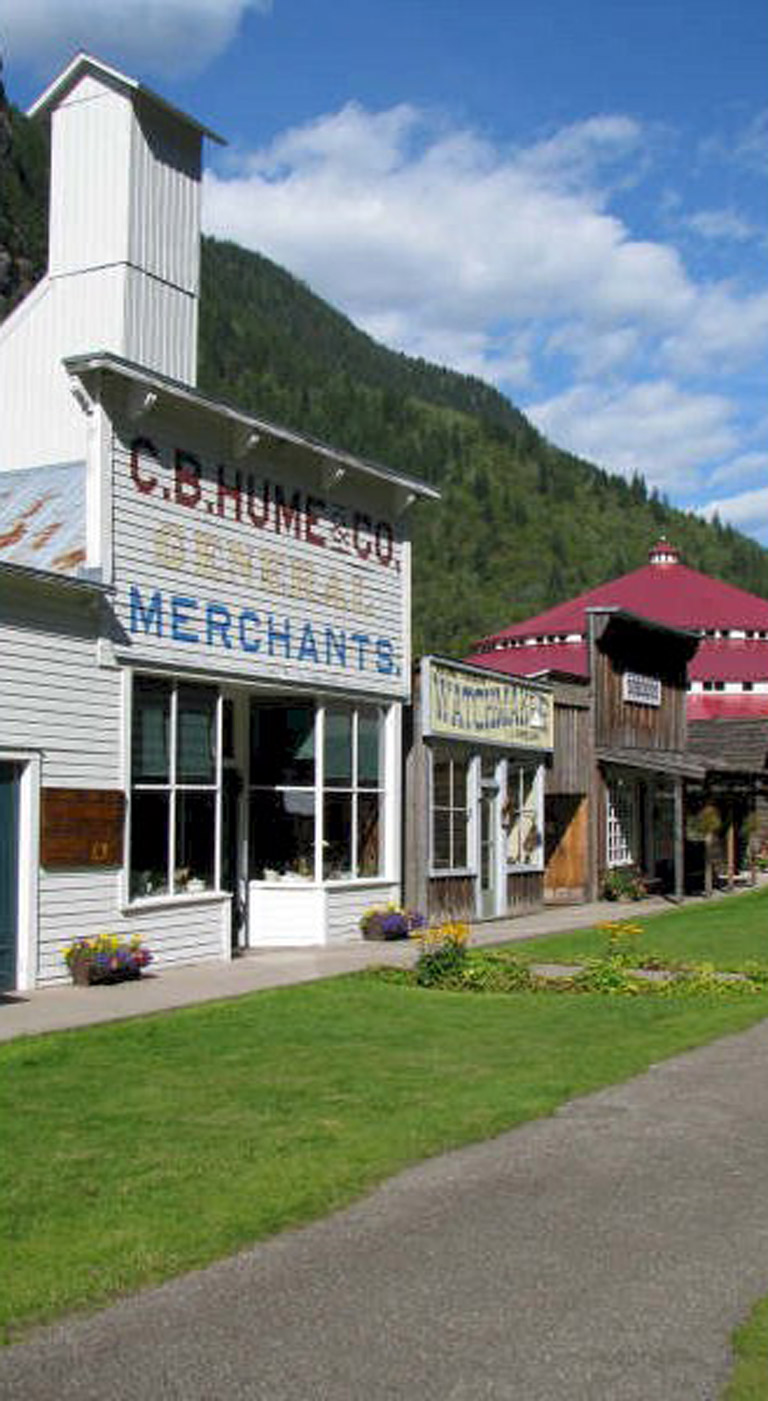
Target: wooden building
point(476, 750)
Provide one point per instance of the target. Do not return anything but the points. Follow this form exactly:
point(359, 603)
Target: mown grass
point(133, 1152)
point(730, 932)
point(749, 1378)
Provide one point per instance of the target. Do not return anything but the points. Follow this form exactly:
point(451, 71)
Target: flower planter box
point(90, 975)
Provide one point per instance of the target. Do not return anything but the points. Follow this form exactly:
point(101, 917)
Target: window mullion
point(172, 790)
point(319, 791)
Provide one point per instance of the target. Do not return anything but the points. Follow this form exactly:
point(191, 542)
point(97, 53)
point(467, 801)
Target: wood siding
point(81, 827)
point(567, 847)
point(525, 892)
point(55, 697)
point(569, 771)
point(622, 724)
point(451, 897)
point(270, 584)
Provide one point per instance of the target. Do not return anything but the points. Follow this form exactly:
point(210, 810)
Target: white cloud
point(721, 225)
point(747, 466)
point(748, 510)
point(157, 36)
point(444, 239)
point(665, 433)
point(395, 216)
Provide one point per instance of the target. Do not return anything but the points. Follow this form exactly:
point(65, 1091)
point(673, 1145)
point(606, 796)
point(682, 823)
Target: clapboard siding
point(81, 904)
point(258, 579)
point(346, 907)
point(55, 697)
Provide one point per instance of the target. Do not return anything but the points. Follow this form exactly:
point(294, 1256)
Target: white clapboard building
point(205, 617)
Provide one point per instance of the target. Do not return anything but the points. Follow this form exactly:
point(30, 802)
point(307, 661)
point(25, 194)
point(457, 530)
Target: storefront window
point(523, 817)
point(298, 807)
point(450, 811)
point(174, 788)
point(621, 823)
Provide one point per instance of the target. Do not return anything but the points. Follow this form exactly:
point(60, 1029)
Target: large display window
point(316, 791)
point(175, 788)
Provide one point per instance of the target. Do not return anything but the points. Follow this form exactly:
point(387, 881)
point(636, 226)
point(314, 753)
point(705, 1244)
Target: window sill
point(173, 902)
point(340, 883)
point(451, 872)
point(520, 870)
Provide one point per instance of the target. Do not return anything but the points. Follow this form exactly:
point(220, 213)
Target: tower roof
point(664, 589)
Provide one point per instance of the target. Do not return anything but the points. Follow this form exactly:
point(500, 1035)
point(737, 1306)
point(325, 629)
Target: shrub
point(622, 883)
point(443, 954)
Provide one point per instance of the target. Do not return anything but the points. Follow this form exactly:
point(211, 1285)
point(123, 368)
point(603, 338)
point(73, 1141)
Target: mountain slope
point(521, 524)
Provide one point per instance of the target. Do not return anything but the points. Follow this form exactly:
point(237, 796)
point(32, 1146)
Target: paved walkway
point(62, 1008)
point(603, 1254)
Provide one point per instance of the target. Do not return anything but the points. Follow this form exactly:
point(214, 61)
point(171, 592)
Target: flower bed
point(106, 959)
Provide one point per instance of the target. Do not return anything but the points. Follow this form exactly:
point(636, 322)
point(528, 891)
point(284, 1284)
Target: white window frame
point(470, 806)
point(172, 787)
point(320, 790)
point(622, 828)
point(515, 768)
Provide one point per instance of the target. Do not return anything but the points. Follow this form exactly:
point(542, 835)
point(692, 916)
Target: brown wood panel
point(525, 891)
point(567, 833)
point(570, 767)
point(81, 827)
point(451, 897)
point(620, 723)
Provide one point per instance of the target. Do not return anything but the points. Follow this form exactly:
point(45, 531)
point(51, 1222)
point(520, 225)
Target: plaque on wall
point(640, 690)
point(81, 827)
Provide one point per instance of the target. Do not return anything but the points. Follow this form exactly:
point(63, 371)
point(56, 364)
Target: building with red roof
point(728, 677)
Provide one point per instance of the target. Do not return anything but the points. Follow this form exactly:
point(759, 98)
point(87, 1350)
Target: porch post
point(679, 791)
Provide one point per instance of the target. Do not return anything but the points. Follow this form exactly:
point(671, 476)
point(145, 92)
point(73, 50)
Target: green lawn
point(133, 1152)
point(749, 1380)
point(730, 932)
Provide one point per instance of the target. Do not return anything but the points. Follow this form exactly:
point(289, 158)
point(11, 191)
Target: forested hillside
point(521, 524)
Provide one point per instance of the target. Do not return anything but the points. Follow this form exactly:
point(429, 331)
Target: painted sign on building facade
point(459, 704)
point(251, 570)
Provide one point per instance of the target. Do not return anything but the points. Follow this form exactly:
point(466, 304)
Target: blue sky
point(566, 198)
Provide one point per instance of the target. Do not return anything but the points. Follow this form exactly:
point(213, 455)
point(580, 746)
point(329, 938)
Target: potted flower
point(106, 959)
point(390, 922)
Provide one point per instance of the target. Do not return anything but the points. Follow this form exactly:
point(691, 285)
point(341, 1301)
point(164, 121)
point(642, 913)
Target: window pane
point(151, 729)
point(369, 737)
point(338, 747)
point(195, 841)
point(459, 838)
point(282, 834)
point(282, 743)
point(337, 845)
point(441, 781)
point(196, 735)
point(441, 840)
point(460, 782)
point(149, 844)
point(368, 840)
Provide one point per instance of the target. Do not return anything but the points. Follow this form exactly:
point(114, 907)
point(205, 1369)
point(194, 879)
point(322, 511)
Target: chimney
point(124, 255)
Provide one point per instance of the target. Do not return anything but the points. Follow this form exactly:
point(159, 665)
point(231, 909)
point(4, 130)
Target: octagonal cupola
point(664, 553)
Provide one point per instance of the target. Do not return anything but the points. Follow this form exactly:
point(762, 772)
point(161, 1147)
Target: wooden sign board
point(81, 827)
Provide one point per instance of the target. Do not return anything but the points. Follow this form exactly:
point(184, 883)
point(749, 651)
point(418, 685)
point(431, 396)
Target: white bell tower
point(124, 255)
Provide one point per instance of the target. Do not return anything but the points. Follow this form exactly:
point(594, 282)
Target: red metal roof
point(570, 658)
point(668, 592)
point(730, 660)
point(715, 705)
